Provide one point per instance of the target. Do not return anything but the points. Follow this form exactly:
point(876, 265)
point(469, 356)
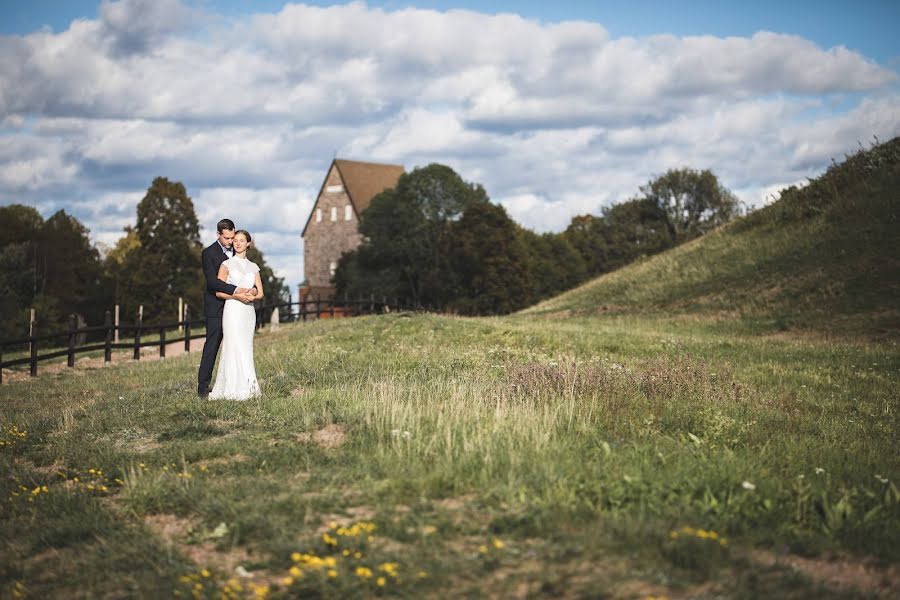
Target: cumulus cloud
point(555, 119)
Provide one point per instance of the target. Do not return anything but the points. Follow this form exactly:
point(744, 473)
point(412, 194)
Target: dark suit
point(212, 258)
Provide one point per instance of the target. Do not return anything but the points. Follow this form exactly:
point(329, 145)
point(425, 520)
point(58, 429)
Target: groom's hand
point(240, 291)
point(245, 297)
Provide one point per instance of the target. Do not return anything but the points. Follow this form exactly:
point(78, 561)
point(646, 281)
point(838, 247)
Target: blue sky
point(869, 26)
point(557, 108)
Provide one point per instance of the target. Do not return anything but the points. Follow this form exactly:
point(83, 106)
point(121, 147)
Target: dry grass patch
point(839, 572)
point(328, 438)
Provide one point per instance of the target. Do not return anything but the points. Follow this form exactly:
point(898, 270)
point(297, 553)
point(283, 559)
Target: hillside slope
point(825, 257)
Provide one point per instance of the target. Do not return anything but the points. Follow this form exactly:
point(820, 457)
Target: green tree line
point(439, 241)
point(52, 266)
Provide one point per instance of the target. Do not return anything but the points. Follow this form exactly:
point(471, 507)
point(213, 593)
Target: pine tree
point(166, 266)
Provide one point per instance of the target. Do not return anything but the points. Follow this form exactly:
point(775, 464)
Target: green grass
point(579, 444)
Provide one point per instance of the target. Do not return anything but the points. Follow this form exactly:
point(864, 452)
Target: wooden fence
point(305, 310)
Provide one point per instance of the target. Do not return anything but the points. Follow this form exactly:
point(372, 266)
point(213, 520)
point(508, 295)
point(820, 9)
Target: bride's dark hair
point(245, 233)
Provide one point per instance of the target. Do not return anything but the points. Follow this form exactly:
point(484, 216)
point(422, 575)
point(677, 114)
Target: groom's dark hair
point(225, 224)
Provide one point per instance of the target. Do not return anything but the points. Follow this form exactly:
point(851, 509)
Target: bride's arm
point(259, 288)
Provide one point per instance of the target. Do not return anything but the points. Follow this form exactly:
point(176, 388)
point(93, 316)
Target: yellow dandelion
point(380, 582)
point(422, 574)
point(482, 549)
point(346, 552)
point(296, 572)
point(332, 573)
point(287, 582)
point(295, 556)
point(330, 561)
point(357, 555)
point(498, 544)
point(429, 529)
point(363, 572)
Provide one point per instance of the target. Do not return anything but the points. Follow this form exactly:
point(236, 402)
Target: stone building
point(332, 226)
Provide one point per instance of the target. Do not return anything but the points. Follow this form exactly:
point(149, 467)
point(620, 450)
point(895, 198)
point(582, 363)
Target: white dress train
point(236, 377)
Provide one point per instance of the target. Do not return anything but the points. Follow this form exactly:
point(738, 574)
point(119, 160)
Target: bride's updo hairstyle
point(245, 233)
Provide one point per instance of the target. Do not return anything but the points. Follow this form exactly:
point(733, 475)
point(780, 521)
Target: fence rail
point(305, 310)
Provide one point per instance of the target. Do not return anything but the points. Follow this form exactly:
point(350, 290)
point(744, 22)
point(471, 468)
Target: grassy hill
point(825, 257)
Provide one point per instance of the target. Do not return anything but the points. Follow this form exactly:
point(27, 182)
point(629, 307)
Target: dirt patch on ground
point(177, 532)
point(839, 572)
point(329, 437)
point(45, 470)
point(225, 460)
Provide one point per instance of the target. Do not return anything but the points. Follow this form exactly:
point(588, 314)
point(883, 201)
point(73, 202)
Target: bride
point(236, 377)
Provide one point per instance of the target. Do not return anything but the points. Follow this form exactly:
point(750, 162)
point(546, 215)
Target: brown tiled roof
point(364, 180)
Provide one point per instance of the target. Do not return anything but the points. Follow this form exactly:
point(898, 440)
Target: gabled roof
point(365, 180)
point(362, 181)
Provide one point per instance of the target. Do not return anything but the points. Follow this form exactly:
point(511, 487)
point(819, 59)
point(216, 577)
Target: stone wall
point(325, 240)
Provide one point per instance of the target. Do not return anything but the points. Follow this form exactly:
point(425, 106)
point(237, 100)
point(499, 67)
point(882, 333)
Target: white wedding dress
point(236, 377)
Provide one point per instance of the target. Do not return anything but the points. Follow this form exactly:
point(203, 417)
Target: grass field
point(422, 455)
point(718, 421)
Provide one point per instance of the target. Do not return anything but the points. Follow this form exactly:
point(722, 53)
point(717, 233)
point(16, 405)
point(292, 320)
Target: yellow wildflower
point(332, 573)
point(287, 582)
point(295, 556)
point(363, 572)
point(482, 549)
point(498, 544)
point(380, 582)
point(205, 573)
point(296, 572)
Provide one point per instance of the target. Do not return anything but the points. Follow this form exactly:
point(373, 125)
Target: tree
point(50, 266)
point(490, 262)
point(406, 246)
point(71, 270)
point(694, 202)
point(633, 229)
point(586, 234)
point(554, 263)
point(166, 265)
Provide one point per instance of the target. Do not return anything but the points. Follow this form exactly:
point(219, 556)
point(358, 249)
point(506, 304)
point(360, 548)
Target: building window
point(334, 188)
point(318, 215)
point(348, 212)
point(334, 213)
point(332, 267)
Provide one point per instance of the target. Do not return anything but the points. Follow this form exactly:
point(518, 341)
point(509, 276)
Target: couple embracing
point(232, 285)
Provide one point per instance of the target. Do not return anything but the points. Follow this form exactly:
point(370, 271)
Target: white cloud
point(554, 119)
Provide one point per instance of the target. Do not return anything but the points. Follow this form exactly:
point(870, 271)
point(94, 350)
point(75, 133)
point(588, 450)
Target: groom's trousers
point(210, 350)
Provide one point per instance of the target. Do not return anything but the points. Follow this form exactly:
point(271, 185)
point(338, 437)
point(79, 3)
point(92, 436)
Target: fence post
point(31, 321)
point(33, 344)
point(116, 330)
point(162, 341)
point(187, 329)
point(137, 334)
point(180, 311)
point(107, 347)
point(73, 325)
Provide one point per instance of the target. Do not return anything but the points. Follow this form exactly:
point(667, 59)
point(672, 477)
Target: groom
point(212, 258)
